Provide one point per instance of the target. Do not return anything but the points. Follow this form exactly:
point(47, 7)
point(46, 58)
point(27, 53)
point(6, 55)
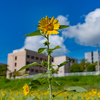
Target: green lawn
point(88, 82)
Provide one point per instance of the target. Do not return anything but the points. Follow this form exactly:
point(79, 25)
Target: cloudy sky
point(19, 17)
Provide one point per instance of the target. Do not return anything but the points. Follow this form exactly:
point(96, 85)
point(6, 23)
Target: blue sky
point(19, 17)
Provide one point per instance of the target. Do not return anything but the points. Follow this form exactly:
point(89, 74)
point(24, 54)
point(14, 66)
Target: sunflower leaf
point(32, 64)
point(64, 63)
point(76, 89)
point(63, 26)
point(32, 98)
point(40, 50)
point(33, 34)
point(57, 47)
point(37, 76)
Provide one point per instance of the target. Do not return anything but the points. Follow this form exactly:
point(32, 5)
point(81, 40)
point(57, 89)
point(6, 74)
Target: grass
point(88, 82)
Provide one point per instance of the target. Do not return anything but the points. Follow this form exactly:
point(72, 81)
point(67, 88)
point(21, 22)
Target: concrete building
point(92, 57)
point(22, 57)
point(61, 59)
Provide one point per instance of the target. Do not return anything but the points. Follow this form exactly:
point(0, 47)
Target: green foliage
point(76, 89)
point(32, 64)
point(3, 69)
point(46, 43)
point(75, 68)
point(33, 34)
point(56, 47)
point(63, 26)
point(84, 64)
point(40, 50)
point(32, 98)
point(64, 63)
point(88, 82)
point(34, 84)
point(37, 76)
point(44, 64)
point(91, 67)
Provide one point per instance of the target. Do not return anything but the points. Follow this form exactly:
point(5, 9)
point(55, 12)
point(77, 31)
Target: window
point(32, 70)
point(36, 58)
point(32, 57)
point(28, 56)
point(15, 57)
point(27, 69)
point(60, 71)
point(52, 59)
point(15, 64)
point(40, 71)
point(15, 70)
point(27, 63)
point(36, 71)
point(41, 59)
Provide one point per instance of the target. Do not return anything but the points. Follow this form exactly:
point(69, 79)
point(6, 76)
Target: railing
point(66, 74)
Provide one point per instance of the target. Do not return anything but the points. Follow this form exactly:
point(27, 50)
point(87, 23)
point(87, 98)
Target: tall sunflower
point(48, 26)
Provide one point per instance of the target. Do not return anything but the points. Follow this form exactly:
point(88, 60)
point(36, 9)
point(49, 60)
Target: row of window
point(36, 58)
point(32, 57)
point(37, 71)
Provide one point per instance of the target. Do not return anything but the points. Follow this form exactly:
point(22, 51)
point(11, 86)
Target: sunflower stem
point(49, 74)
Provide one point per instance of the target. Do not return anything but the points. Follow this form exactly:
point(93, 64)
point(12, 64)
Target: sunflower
point(26, 89)
point(48, 26)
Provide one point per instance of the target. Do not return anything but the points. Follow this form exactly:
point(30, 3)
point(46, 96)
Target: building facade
point(22, 57)
point(61, 59)
point(92, 57)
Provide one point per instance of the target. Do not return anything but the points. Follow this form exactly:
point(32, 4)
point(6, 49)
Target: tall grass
point(88, 82)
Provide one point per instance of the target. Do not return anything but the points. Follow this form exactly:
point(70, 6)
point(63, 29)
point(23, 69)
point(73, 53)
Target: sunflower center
point(26, 89)
point(50, 27)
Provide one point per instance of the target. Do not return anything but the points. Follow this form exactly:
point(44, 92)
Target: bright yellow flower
point(26, 89)
point(99, 94)
point(48, 26)
point(11, 99)
point(3, 93)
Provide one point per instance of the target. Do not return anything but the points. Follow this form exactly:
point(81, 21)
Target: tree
point(91, 67)
point(3, 70)
point(84, 63)
point(75, 68)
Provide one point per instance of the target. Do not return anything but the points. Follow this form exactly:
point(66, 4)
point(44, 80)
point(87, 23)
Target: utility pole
point(98, 55)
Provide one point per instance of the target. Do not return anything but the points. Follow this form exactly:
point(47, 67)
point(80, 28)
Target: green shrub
point(75, 68)
point(91, 67)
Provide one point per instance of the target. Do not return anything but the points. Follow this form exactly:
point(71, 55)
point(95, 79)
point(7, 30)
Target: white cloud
point(63, 20)
point(87, 33)
point(36, 42)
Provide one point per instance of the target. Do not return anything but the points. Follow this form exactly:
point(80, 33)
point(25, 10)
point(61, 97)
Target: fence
point(66, 74)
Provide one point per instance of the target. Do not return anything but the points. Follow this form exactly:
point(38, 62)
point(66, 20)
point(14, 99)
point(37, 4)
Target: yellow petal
point(55, 21)
point(52, 20)
point(56, 26)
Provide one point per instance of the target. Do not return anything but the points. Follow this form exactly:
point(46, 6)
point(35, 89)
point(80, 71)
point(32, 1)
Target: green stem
point(49, 74)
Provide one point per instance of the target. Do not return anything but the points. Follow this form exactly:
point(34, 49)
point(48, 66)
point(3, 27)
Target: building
point(61, 59)
point(92, 57)
point(22, 57)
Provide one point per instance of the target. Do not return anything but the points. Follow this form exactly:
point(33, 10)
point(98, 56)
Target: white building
point(64, 69)
point(92, 57)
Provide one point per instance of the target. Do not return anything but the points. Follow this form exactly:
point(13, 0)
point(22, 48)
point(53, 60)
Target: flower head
point(26, 89)
point(48, 26)
point(11, 99)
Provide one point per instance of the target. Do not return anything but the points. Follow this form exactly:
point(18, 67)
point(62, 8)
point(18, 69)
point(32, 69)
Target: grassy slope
point(88, 82)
